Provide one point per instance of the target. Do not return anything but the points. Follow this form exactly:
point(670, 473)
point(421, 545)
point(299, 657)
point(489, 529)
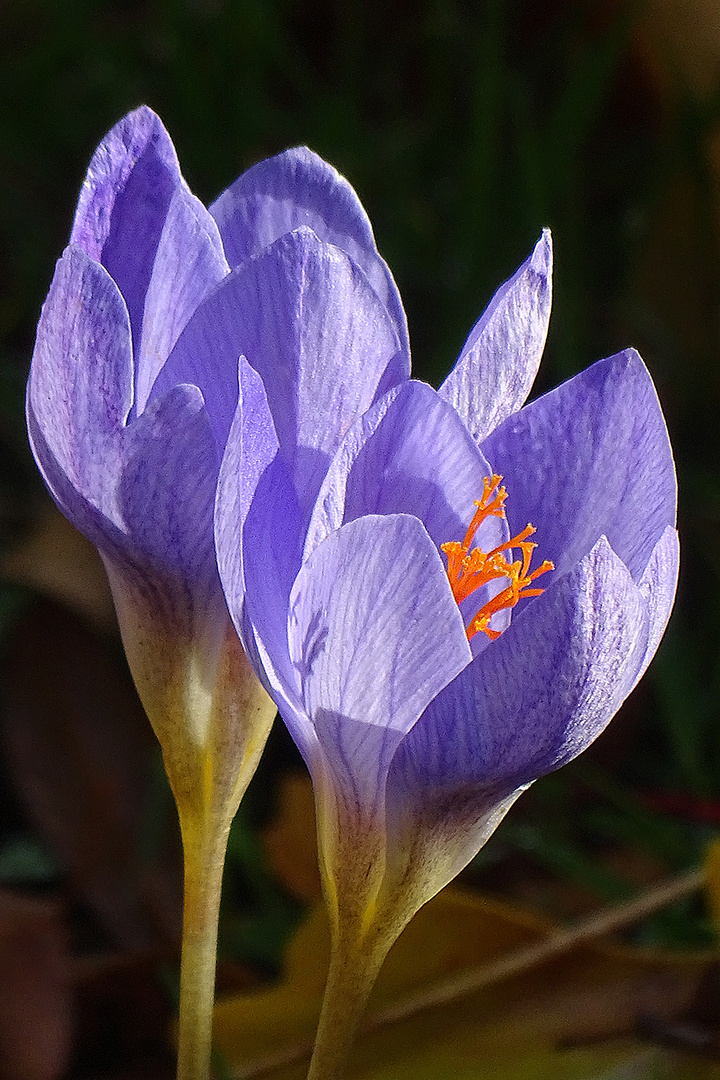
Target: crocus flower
point(429, 663)
point(132, 390)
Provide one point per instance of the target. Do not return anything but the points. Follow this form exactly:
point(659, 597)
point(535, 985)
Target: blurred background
point(465, 127)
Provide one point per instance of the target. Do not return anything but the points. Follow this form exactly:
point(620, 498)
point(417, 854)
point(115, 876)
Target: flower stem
point(351, 977)
point(204, 845)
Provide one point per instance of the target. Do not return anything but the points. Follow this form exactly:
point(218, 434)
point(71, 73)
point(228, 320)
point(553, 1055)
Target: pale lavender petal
point(499, 361)
point(591, 458)
point(536, 697)
point(257, 524)
point(308, 322)
point(298, 188)
point(80, 385)
point(123, 204)
point(188, 263)
point(374, 635)
point(410, 453)
point(258, 540)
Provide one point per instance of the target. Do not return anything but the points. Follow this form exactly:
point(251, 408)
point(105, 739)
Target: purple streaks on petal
point(167, 493)
point(308, 322)
point(298, 188)
point(499, 361)
point(80, 385)
point(591, 458)
point(539, 695)
point(78, 509)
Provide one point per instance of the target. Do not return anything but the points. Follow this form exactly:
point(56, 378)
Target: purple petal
point(308, 322)
point(166, 498)
point(188, 263)
point(154, 525)
point(536, 697)
point(409, 454)
point(84, 515)
point(374, 635)
point(499, 361)
point(298, 188)
point(80, 385)
point(258, 530)
point(123, 204)
point(591, 458)
point(257, 524)
point(660, 581)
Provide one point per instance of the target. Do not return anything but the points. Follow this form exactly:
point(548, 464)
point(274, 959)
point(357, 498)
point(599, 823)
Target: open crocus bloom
point(134, 383)
point(423, 699)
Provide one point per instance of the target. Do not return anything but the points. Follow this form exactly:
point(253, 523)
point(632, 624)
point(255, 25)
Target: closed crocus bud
point(429, 658)
point(133, 387)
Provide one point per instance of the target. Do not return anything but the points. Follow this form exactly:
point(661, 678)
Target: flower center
point(468, 570)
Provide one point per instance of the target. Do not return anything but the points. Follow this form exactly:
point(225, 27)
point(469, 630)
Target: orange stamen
point(468, 570)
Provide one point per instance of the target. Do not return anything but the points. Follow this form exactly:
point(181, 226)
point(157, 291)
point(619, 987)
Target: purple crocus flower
point(132, 391)
point(427, 671)
point(134, 383)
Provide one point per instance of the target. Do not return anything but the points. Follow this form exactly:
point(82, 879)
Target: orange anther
point(468, 570)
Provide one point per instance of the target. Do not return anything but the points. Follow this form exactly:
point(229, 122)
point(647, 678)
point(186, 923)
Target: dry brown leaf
point(515, 1028)
point(591, 998)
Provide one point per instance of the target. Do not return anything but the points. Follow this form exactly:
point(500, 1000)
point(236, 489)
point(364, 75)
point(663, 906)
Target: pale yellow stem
point(204, 845)
point(352, 973)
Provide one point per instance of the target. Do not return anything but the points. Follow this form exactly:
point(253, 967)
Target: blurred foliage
point(465, 127)
point(583, 1016)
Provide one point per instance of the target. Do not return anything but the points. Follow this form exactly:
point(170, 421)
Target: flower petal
point(123, 204)
point(408, 454)
point(257, 524)
point(258, 540)
point(375, 588)
point(298, 188)
point(591, 458)
point(84, 515)
point(660, 580)
point(499, 361)
point(374, 634)
point(308, 322)
point(531, 701)
point(166, 497)
point(80, 385)
point(188, 263)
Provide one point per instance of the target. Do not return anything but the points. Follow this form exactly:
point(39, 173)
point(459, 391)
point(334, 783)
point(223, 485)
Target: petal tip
point(541, 260)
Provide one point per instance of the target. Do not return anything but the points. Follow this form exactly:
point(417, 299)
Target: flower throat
point(468, 570)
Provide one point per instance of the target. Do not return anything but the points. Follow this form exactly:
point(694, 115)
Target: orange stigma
point(468, 570)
